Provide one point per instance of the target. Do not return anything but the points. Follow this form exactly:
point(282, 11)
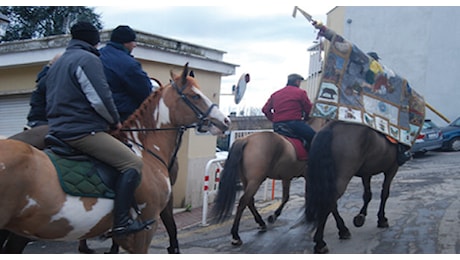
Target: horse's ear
point(184, 74)
point(173, 75)
point(192, 74)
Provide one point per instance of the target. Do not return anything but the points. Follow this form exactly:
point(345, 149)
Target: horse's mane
point(139, 113)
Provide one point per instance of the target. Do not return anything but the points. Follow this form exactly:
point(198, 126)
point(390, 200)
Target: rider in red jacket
point(290, 106)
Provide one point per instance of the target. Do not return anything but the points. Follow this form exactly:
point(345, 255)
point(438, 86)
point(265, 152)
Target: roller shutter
point(13, 113)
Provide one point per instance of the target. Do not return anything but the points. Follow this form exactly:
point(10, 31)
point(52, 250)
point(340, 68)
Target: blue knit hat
point(123, 34)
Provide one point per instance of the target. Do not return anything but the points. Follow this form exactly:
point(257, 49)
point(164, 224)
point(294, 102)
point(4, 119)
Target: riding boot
point(123, 223)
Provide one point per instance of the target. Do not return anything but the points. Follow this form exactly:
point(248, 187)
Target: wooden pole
point(437, 112)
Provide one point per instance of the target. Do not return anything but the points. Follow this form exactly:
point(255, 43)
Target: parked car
point(429, 139)
point(451, 136)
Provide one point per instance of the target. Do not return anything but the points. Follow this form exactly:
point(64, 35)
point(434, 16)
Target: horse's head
point(191, 106)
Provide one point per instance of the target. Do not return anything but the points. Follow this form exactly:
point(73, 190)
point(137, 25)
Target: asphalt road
point(423, 212)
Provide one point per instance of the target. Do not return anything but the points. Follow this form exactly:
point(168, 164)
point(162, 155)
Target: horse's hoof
point(262, 228)
point(271, 219)
point(382, 224)
point(86, 250)
point(323, 250)
point(237, 242)
point(359, 220)
point(173, 250)
point(344, 234)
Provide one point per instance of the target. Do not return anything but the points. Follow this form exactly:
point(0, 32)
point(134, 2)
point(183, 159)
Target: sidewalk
point(184, 219)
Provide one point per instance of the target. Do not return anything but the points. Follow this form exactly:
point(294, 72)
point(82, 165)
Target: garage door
point(13, 114)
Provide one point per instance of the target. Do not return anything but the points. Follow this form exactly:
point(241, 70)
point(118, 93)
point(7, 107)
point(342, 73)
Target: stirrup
point(132, 227)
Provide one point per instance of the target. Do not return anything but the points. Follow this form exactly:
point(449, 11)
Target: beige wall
point(18, 80)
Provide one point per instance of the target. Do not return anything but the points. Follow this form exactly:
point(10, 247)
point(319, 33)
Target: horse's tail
point(320, 194)
point(226, 194)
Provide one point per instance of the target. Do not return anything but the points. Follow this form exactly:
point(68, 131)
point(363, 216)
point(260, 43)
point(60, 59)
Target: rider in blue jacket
point(130, 85)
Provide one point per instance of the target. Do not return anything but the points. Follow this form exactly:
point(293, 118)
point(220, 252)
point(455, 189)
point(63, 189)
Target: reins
point(180, 132)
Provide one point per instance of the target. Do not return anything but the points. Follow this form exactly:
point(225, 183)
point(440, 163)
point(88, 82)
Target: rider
point(130, 85)
point(290, 106)
point(80, 111)
point(37, 112)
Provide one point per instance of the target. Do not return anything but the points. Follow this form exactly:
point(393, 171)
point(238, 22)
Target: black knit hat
point(123, 34)
point(85, 31)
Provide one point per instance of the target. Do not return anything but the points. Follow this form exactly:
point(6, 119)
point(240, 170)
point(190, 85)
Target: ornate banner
point(357, 88)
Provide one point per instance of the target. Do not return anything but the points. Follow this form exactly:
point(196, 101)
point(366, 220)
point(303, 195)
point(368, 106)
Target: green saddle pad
point(80, 178)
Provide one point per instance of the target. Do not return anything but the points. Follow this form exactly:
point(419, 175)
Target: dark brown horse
point(253, 159)
point(30, 210)
point(340, 151)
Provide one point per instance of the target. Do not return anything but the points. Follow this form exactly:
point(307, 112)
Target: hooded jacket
point(130, 85)
point(78, 98)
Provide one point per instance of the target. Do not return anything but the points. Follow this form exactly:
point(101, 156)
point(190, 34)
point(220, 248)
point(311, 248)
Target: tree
point(31, 22)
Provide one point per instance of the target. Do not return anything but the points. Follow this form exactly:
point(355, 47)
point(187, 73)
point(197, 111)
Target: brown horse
point(340, 151)
point(34, 205)
point(253, 159)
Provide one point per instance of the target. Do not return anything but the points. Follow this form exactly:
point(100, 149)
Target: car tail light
point(421, 136)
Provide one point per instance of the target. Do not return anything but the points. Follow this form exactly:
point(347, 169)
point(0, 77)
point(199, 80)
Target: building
point(417, 42)
point(20, 61)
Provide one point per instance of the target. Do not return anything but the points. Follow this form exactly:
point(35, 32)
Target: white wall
point(420, 44)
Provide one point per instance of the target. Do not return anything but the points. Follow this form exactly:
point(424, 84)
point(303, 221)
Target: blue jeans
point(300, 128)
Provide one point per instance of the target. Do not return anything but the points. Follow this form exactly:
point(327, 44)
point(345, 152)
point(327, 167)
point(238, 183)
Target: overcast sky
point(264, 40)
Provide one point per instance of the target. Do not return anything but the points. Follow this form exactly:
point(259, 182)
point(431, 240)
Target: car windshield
point(456, 122)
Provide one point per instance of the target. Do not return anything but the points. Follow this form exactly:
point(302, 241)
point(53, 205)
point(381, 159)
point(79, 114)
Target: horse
point(33, 211)
point(253, 159)
point(339, 151)
point(15, 244)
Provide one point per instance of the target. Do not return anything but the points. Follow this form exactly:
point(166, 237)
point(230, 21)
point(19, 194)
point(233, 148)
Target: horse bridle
point(180, 130)
point(199, 114)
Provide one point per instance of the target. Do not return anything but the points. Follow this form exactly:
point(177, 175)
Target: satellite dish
point(240, 88)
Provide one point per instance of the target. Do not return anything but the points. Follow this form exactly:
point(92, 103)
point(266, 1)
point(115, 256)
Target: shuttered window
point(13, 113)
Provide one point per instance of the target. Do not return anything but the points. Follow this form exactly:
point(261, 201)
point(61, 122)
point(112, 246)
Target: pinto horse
point(34, 205)
point(253, 159)
point(340, 151)
point(14, 244)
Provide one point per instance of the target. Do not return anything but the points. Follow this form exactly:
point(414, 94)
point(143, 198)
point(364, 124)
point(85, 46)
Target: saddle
point(80, 174)
point(301, 145)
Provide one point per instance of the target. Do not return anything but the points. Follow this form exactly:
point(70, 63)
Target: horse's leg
point(257, 217)
point(3, 237)
point(248, 196)
point(84, 248)
point(12, 243)
point(167, 217)
point(344, 233)
point(382, 220)
point(320, 244)
point(359, 219)
point(286, 189)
